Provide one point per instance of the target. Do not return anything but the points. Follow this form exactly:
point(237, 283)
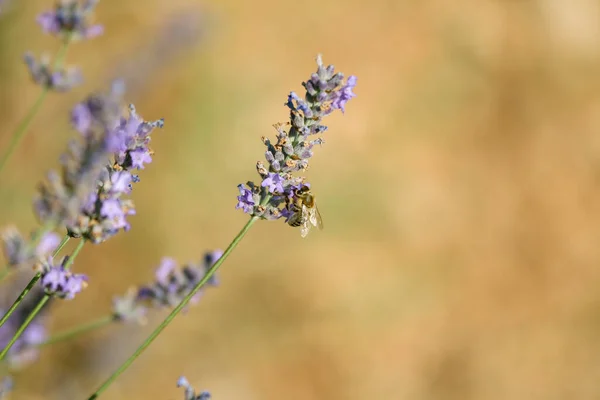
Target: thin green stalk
point(39, 306)
point(31, 284)
point(175, 311)
point(74, 254)
point(24, 326)
point(78, 330)
point(26, 121)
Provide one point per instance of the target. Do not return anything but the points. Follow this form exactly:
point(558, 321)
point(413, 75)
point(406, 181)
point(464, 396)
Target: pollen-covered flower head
point(70, 18)
point(295, 141)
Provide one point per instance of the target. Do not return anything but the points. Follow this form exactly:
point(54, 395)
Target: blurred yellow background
point(460, 194)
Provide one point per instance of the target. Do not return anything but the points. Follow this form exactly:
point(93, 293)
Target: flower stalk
point(28, 119)
point(40, 304)
point(176, 310)
point(78, 330)
point(31, 284)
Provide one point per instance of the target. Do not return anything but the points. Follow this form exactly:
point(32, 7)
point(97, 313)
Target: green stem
point(175, 311)
point(74, 254)
point(28, 119)
point(31, 283)
point(39, 306)
point(78, 330)
point(24, 326)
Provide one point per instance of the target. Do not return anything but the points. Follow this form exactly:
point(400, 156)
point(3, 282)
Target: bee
point(304, 211)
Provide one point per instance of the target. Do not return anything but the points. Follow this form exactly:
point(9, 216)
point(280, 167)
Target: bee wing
point(304, 229)
point(306, 216)
point(315, 217)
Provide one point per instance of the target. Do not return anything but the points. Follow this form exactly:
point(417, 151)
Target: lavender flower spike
point(190, 392)
point(292, 150)
point(88, 195)
point(70, 19)
point(172, 283)
point(106, 210)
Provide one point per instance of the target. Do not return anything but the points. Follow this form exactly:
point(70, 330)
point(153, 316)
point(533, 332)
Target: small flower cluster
point(171, 285)
point(326, 91)
point(190, 392)
point(70, 19)
point(24, 351)
point(18, 251)
point(88, 197)
point(58, 281)
point(43, 74)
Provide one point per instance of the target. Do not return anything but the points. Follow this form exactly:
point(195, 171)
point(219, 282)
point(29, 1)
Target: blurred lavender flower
point(58, 281)
point(190, 392)
point(325, 92)
point(19, 251)
point(88, 196)
point(105, 211)
point(25, 350)
point(61, 80)
point(99, 111)
point(172, 283)
point(6, 382)
point(70, 19)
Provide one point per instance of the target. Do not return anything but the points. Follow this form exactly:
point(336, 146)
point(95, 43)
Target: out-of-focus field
point(460, 194)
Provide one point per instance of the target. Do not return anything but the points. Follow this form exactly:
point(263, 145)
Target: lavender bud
point(61, 80)
point(190, 392)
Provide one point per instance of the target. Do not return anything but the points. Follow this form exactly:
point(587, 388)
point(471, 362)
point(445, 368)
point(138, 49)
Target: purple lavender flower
point(57, 280)
point(190, 392)
point(290, 154)
point(60, 80)
point(129, 141)
point(88, 196)
point(273, 182)
point(172, 283)
point(70, 19)
point(245, 200)
point(19, 251)
point(99, 110)
point(343, 95)
point(6, 382)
